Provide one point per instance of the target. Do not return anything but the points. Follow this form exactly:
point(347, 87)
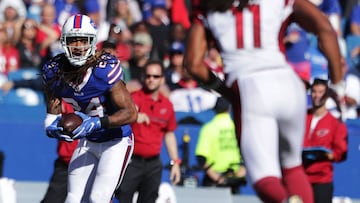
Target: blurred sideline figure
point(325, 142)
point(217, 151)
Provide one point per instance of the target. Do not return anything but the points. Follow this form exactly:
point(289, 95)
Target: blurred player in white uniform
point(260, 81)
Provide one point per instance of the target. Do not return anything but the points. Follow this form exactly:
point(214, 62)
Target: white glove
point(339, 89)
point(57, 132)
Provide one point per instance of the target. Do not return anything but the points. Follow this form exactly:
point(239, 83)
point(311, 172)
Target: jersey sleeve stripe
point(115, 74)
point(114, 70)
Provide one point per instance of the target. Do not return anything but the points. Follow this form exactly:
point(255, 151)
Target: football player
point(91, 81)
point(271, 96)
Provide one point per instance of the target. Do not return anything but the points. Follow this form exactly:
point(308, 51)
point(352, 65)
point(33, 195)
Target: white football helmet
point(75, 27)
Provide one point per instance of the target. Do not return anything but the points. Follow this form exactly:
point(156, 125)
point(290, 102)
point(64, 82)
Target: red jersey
point(331, 133)
point(9, 56)
point(148, 138)
point(242, 35)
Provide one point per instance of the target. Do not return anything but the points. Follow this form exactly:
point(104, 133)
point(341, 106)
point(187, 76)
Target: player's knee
point(97, 197)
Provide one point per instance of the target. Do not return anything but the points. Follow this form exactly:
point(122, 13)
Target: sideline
point(33, 192)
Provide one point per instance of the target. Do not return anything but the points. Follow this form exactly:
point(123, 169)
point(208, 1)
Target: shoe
point(294, 199)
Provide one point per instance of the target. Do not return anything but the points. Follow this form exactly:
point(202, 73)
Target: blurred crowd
point(141, 30)
point(306, 59)
point(137, 31)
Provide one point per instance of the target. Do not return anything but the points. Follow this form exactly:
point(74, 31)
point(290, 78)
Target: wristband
point(214, 82)
point(105, 122)
point(339, 88)
point(176, 161)
point(49, 119)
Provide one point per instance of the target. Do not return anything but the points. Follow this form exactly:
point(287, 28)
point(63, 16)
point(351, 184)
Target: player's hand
point(88, 126)
point(57, 132)
point(64, 137)
point(339, 89)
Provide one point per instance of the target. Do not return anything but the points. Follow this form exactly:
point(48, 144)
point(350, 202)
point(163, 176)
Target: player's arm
point(53, 116)
point(196, 47)
point(127, 112)
point(53, 104)
point(313, 20)
point(53, 107)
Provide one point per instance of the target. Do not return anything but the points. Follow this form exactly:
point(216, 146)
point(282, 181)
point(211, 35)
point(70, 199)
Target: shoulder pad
point(51, 67)
point(51, 72)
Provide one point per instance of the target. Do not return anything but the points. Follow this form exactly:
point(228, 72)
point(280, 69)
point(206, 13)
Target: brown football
point(69, 122)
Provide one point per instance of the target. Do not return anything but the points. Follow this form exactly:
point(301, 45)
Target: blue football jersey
point(92, 94)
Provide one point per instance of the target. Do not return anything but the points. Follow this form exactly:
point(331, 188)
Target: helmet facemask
point(79, 49)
